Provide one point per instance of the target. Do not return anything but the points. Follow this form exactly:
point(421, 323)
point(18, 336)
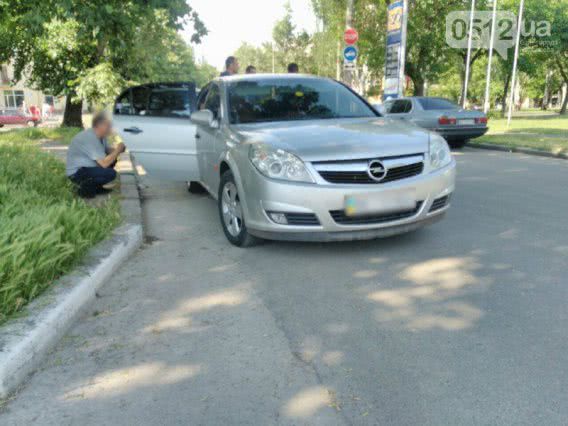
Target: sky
point(232, 22)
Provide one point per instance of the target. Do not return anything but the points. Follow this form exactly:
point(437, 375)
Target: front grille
point(302, 219)
point(440, 203)
point(361, 177)
point(341, 218)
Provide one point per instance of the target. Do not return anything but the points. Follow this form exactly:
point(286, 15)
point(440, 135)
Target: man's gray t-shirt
point(85, 150)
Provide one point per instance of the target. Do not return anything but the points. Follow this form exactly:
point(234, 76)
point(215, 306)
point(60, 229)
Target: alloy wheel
point(231, 209)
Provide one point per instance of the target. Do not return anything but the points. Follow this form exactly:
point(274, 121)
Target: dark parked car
point(454, 123)
point(15, 117)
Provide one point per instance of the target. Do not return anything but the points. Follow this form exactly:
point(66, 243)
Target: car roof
point(268, 77)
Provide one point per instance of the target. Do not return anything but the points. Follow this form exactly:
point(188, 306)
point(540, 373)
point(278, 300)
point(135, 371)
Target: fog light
point(279, 218)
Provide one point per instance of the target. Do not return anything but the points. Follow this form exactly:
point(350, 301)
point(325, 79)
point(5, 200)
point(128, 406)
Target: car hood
point(342, 139)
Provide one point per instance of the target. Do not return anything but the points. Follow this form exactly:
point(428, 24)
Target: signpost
point(350, 54)
point(397, 14)
point(351, 36)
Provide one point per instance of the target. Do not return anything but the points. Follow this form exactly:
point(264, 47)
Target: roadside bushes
point(44, 228)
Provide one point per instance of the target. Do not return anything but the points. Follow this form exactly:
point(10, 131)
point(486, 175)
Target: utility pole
point(348, 74)
point(273, 60)
point(469, 46)
point(403, 40)
point(515, 62)
point(487, 103)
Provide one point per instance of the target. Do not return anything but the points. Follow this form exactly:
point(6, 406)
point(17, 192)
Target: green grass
point(537, 131)
point(36, 134)
point(44, 229)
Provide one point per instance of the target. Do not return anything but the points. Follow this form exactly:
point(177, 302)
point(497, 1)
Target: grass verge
point(44, 229)
point(542, 132)
point(35, 134)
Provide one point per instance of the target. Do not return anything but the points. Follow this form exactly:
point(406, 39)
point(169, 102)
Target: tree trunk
point(546, 97)
point(73, 115)
point(419, 86)
point(564, 109)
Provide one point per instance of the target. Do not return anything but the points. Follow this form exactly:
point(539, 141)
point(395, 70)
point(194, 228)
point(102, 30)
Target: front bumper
point(262, 195)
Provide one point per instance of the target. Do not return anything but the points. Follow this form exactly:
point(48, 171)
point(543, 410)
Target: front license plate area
point(386, 202)
point(466, 122)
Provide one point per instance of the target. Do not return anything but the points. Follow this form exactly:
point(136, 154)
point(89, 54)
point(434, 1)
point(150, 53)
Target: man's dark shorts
point(90, 180)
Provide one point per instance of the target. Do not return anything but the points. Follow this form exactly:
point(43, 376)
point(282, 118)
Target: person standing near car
point(231, 67)
point(90, 160)
point(251, 69)
point(293, 68)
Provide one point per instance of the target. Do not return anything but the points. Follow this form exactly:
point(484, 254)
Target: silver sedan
point(303, 158)
point(455, 124)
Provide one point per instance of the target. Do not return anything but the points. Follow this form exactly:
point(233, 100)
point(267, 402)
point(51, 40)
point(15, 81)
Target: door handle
point(197, 136)
point(134, 130)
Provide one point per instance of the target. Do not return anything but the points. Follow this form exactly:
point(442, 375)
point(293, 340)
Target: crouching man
point(90, 160)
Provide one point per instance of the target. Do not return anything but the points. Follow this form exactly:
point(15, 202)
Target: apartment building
point(14, 94)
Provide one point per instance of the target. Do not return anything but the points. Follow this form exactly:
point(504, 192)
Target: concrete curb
point(25, 341)
point(527, 151)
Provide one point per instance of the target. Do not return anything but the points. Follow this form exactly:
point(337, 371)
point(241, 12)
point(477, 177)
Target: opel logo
point(376, 171)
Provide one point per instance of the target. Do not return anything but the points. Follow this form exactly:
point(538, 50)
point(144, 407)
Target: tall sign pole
point(515, 62)
point(397, 15)
point(349, 69)
point(487, 103)
point(468, 61)
point(402, 68)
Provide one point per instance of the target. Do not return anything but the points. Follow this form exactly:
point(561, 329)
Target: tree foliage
point(85, 49)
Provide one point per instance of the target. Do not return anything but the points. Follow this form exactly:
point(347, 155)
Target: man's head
point(251, 69)
point(232, 65)
point(293, 68)
point(102, 125)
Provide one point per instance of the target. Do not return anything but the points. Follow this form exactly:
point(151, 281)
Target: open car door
point(154, 122)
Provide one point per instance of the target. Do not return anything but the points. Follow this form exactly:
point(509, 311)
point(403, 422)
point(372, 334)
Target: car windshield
point(293, 99)
point(430, 104)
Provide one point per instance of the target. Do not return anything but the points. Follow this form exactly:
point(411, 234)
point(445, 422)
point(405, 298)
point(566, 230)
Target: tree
point(78, 48)
point(552, 48)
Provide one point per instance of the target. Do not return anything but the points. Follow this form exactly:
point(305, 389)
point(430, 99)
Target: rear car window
point(140, 100)
point(169, 102)
point(400, 107)
point(431, 104)
point(123, 105)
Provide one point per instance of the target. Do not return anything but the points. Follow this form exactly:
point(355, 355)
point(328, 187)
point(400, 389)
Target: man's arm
point(110, 159)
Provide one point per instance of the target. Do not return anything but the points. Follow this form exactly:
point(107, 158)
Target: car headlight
point(440, 155)
point(278, 164)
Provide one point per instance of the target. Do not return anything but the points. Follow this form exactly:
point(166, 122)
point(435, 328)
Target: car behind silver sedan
point(455, 124)
point(300, 158)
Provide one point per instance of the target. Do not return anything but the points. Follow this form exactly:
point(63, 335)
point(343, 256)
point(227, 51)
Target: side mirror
point(205, 118)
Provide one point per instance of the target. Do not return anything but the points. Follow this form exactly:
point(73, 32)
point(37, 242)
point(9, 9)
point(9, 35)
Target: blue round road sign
point(350, 53)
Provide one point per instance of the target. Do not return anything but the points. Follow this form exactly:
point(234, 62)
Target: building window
point(13, 98)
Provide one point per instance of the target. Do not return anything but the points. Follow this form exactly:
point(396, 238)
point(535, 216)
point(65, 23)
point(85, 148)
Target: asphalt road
point(463, 323)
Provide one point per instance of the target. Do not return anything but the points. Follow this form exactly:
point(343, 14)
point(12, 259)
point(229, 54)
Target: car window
point(213, 101)
point(169, 102)
point(286, 99)
point(123, 105)
point(401, 106)
point(432, 104)
point(388, 106)
point(140, 100)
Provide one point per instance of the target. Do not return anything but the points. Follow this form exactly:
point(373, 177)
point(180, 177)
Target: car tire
point(195, 188)
point(230, 209)
point(458, 143)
